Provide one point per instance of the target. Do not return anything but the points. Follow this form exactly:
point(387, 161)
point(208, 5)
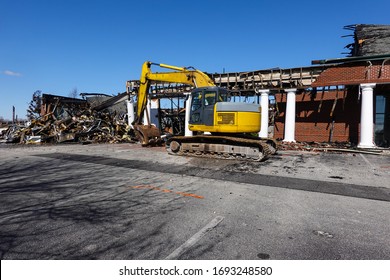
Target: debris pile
point(98, 118)
point(369, 39)
point(329, 147)
point(85, 127)
point(312, 146)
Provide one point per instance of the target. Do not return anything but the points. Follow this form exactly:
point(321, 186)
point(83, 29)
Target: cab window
point(196, 101)
point(224, 96)
point(209, 98)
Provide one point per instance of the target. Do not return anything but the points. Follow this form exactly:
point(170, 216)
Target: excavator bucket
point(148, 135)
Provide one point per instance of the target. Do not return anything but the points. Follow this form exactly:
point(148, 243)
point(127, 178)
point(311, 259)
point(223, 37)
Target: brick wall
point(355, 73)
point(318, 116)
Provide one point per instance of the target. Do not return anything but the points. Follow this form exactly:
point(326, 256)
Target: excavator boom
point(149, 133)
point(181, 75)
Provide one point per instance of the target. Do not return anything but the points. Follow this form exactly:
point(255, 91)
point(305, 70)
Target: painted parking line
point(194, 239)
point(367, 161)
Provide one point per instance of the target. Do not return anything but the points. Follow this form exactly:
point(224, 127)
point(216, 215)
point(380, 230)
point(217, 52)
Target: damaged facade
point(61, 107)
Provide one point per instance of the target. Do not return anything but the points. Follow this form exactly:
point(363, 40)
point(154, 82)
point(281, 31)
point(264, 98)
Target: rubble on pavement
point(330, 147)
point(310, 146)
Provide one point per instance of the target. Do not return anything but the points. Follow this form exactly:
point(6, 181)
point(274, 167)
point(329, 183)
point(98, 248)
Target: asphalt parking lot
point(123, 201)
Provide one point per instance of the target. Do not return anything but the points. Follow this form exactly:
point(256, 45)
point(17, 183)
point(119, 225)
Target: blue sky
point(95, 46)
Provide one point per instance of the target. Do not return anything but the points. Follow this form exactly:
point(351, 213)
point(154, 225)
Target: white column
point(187, 132)
point(130, 111)
point(153, 104)
point(289, 123)
point(367, 117)
point(264, 113)
point(147, 112)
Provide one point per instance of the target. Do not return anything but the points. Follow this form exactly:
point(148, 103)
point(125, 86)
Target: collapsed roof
point(370, 39)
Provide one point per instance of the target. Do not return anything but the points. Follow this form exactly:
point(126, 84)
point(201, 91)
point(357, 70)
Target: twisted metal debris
point(85, 127)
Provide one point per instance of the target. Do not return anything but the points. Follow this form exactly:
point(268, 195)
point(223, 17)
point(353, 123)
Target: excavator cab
point(202, 104)
point(213, 111)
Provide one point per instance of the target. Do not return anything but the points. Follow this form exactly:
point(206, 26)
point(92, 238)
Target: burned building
point(333, 100)
point(99, 119)
point(60, 106)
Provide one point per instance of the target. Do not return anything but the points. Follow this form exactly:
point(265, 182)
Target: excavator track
point(221, 147)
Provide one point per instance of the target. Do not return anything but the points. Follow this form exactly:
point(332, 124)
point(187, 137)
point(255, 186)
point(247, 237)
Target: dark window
point(196, 101)
point(380, 108)
point(210, 98)
point(224, 96)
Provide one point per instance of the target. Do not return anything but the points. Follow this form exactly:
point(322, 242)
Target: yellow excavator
point(223, 129)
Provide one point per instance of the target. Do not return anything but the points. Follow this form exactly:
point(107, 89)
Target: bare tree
point(73, 93)
point(34, 108)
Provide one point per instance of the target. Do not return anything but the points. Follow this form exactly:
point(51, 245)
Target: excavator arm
point(148, 133)
point(181, 75)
